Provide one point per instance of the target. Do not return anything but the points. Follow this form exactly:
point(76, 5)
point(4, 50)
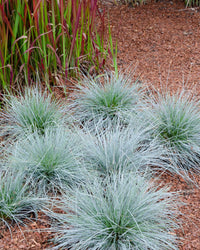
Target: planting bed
point(163, 40)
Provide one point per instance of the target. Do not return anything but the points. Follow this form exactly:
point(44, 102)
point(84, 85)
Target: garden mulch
point(160, 41)
point(33, 236)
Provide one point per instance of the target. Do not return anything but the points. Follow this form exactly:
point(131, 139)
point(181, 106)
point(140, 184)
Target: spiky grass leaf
point(51, 160)
point(124, 212)
point(33, 111)
point(17, 201)
point(106, 100)
point(177, 128)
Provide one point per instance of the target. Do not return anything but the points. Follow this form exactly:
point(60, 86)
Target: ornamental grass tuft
point(32, 112)
point(106, 101)
point(122, 212)
point(18, 203)
point(51, 160)
point(177, 128)
point(129, 149)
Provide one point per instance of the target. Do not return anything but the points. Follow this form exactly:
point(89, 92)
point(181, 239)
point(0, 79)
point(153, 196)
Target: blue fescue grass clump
point(17, 201)
point(51, 160)
point(118, 149)
point(33, 111)
point(177, 128)
point(106, 100)
point(122, 212)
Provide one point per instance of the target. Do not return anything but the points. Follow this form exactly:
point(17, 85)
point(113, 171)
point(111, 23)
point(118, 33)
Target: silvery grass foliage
point(17, 201)
point(33, 111)
point(122, 212)
point(177, 128)
point(106, 100)
point(129, 149)
point(51, 160)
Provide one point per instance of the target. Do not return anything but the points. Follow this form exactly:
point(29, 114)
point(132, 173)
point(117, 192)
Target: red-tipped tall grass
point(49, 38)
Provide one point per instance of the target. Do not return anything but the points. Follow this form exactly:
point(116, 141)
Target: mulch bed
point(160, 41)
point(33, 236)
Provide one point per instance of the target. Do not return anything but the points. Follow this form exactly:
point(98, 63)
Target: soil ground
point(160, 41)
